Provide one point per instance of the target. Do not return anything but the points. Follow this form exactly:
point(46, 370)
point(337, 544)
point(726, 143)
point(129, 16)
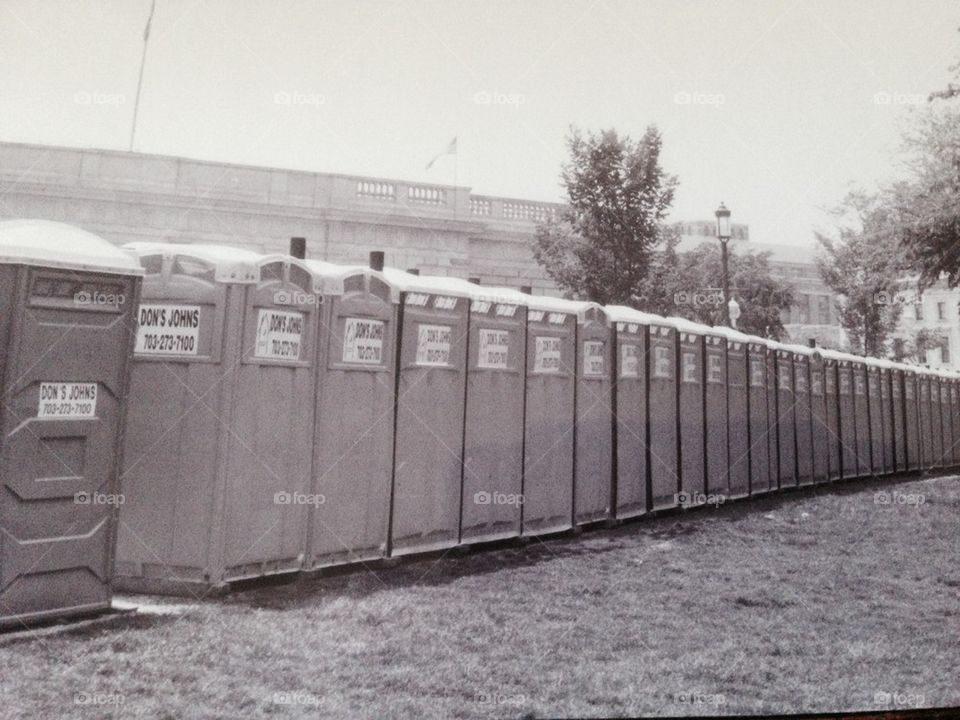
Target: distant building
point(937, 311)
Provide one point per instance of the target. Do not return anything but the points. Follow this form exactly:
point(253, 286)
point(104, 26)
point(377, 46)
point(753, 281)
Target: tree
point(926, 207)
point(601, 245)
point(863, 265)
point(699, 290)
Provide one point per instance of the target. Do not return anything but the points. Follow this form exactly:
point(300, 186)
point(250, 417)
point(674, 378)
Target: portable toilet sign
point(68, 300)
point(353, 442)
point(430, 395)
point(219, 441)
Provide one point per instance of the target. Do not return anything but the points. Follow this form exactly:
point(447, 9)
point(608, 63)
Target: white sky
point(767, 105)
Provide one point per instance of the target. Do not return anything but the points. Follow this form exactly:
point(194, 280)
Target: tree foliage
point(863, 264)
point(698, 293)
point(601, 245)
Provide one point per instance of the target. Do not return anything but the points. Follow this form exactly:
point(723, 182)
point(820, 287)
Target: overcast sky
point(777, 108)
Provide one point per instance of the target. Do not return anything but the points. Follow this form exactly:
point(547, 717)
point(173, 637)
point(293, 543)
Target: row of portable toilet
point(291, 414)
point(281, 415)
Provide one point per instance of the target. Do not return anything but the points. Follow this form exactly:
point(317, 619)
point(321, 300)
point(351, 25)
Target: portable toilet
point(692, 418)
point(858, 369)
point(848, 421)
point(69, 299)
point(803, 414)
point(663, 398)
point(897, 418)
point(740, 443)
point(786, 415)
point(911, 408)
point(886, 414)
point(430, 394)
point(353, 445)
point(955, 419)
point(936, 420)
point(926, 420)
point(219, 442)
point(548, 454)
point(832, 404)
point(761, 479)
point(820, 427)
point(875, 406)
point(773, 414)
point(629, 329)
point(593, 463)
point(493, 430)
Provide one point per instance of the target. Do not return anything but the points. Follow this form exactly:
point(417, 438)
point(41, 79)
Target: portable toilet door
point(926, 422)
point(875, 406)
point(861, 417)
point(804, 418)
point(955, 420)
point(897, 420)
point(760, 477)
point(911, 408)
point(220, 435)
point(719, 471)
point(493, 431)
point(691, 416)
point(663, 459)
point(550, 417)
point(353, 442)
point(818, 420)
point(848, 420)
point(773, 414)
point(786, 418)
point(738, 430)
point(630, 411)
point(832, 399)
point(936, 421)
point(431, 388)
point(886, 417)
point(946, 455)
point(68, 300)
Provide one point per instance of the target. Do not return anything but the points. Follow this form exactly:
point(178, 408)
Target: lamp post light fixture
point(723, 234)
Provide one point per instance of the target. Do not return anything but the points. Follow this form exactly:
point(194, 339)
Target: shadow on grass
point(441, 568)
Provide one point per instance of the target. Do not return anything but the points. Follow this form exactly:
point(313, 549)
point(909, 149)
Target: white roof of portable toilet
point(230, 264)
point(58, 245)
point(408, 282)
point(333, 276)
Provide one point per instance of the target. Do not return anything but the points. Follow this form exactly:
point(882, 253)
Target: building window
point(823, 309)
point(918, 311)
point(803, 309)
point(941, 311)
point(945, 350)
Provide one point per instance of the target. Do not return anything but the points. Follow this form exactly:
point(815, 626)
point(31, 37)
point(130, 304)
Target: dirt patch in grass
point(809, 601)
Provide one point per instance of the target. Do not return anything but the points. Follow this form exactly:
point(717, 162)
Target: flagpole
point(456, 160)
point(143, 61)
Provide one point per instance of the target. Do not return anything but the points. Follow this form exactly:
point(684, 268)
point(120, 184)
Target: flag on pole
point(450, 149)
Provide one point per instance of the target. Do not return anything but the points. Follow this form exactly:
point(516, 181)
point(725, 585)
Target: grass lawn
point(814, 601)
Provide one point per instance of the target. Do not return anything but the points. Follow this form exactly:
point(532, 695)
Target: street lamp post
point(723, 234)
